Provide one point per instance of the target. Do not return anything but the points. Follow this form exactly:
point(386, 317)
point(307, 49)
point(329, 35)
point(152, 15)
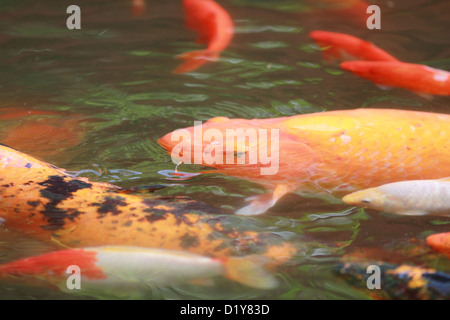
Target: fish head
point(241, 147)
point(372, 198)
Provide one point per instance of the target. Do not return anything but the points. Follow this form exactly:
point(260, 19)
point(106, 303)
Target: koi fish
point(215, 28)
point(417, 197)
point(440, 242)
point(43, 136)
point(354, 11)
point(44, 202)
point(340, 46)
point(398, 281)
point(334, 152)
point(418, 78)
point(138, 7)
point(127, 269)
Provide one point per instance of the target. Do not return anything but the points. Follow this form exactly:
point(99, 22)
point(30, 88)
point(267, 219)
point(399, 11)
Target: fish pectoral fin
point(250, 271)
point(262, 203)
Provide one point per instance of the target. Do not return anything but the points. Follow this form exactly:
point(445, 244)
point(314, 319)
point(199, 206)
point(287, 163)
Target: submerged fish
point(418, 78)
point(138, 7)
point(341, 46)
point(415, 197)
point(333, 152)
point(126, 269)
point(397, 281)
point(42, 132)
point(353, 11)
point(44, 202)
point(440, 242)
point(214, 27)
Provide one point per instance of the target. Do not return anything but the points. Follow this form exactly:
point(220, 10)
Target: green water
point(110, 86)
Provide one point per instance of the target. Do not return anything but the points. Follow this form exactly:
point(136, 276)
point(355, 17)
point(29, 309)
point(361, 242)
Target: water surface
point(100, 97)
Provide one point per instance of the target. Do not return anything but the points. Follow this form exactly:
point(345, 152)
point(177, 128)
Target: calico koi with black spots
point(43, 201)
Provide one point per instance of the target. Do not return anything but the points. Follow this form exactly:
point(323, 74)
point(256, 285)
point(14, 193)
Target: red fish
point(132, 270)
point(342, 46)
point(334, 152)
point(215, 28)
point(418, 78)
point(354, 11)
point(440, 242)
point(138, 7)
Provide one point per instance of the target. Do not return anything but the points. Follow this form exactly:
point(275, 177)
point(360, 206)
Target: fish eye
point(239, 154)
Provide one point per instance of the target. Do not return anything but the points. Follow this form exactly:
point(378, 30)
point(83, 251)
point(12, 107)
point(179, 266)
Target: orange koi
point(340, 46)
point(334, 152)
point(214, 26)
point(440, 242)
point(415, 77)
point(126, 269)
point(44, 202)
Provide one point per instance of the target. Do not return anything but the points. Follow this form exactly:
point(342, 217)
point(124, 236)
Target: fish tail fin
point(54, 264)
point(195, 59)
point(138, 7)
point(249, 270)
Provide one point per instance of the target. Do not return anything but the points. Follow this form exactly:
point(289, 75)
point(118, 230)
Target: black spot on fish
point(110, 206)
point(189, 241)
point(58, 189)
point(34, 203)
point(155, 215)
point(128, 224)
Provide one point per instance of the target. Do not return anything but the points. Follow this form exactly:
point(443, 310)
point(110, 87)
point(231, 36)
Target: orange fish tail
point(195, 59)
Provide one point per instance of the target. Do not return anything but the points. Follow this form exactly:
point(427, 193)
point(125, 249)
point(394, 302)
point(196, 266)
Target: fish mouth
point(350, 199)
point(165, 142)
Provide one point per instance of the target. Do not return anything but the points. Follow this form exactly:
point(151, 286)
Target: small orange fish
point(215, 28)
point(41, 132)
point(342, 46)
point(440, 242)
point(334, 152)
point(138, 7)
point(132, 270)
point(415, 77)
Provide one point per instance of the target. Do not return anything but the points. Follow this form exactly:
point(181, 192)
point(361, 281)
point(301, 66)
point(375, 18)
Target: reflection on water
point(97, 100)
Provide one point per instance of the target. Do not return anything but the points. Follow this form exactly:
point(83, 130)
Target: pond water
point(94, 101)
